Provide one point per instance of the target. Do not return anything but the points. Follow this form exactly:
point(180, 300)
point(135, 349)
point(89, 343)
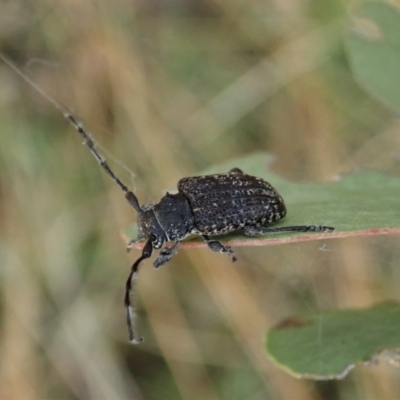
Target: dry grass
point(169, 88)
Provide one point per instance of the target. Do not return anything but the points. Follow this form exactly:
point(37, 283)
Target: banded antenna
point(129, 195)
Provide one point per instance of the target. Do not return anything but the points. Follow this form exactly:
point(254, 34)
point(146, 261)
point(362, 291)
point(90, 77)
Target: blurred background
point(169, 88)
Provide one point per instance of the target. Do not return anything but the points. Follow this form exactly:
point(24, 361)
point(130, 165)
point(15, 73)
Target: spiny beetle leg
point(260, 230)
point(133, 241)
point(218, 247)
point(165, 255)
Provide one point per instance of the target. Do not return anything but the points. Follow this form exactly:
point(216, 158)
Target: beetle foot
point(138, 238)
point(218, 247)
point(130, 244)
point(165, 255)
point(319, 228)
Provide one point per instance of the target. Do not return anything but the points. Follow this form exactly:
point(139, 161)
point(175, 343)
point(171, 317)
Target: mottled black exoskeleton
point(204, 205)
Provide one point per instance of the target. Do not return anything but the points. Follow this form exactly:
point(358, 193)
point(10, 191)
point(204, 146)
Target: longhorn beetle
point(204, 205)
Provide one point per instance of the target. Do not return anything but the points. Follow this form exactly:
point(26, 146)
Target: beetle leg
point(165, 255)
point(133, 241)
point(218, 247)
point(130, 313)
point(260, 230)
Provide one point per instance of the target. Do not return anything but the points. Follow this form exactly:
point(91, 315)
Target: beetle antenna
point(130, 312)
point(130, 196)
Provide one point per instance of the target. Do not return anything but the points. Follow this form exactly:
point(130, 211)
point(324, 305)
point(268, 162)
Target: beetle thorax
point(171, 220)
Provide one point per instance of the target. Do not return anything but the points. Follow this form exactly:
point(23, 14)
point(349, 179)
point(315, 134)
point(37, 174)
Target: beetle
point(204, 205)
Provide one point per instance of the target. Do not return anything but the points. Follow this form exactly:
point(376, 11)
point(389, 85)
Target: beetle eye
point(153, 237)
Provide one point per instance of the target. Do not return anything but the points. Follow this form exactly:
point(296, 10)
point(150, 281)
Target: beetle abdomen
point(223, 203)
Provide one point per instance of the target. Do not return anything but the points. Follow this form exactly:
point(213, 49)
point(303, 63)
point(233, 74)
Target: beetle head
point(149, 226)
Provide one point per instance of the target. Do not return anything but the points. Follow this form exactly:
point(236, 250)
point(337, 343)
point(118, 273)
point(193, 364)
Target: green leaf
point(365, 203)
point(329, 344)
point(373, 47)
